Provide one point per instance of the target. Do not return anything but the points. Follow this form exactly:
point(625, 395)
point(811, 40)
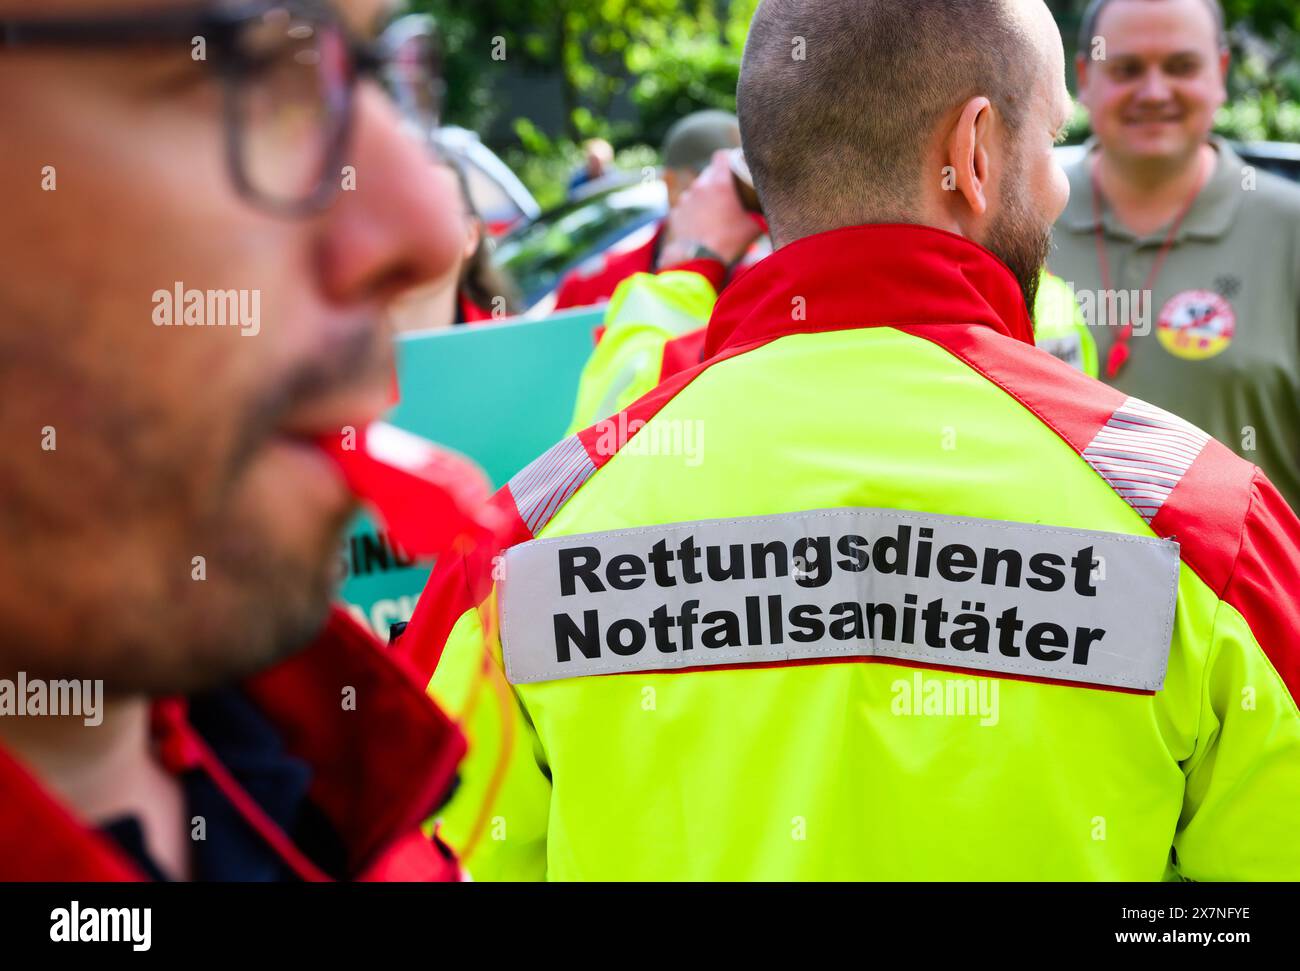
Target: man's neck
point(1146, 195)
point(107, 771)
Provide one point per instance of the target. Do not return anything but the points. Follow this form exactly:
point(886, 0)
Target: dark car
point(538, 254)
point(1280, 158)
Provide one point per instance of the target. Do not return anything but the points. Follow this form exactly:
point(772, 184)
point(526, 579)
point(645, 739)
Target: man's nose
point(1154, 86)
point(391, 226)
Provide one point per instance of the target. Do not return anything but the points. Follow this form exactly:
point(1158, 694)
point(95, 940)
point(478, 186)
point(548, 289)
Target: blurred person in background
point(171, 516)
point(710, 248)
point(1190, 257)
point(474, 289)
point(598, 161)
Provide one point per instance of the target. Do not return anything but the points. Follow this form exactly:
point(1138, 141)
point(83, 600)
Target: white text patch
point(997, 598)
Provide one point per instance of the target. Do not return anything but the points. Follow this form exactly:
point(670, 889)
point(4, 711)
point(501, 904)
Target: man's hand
point(709, 214)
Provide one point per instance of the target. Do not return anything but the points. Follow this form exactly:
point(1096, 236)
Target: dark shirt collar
point(252, 751)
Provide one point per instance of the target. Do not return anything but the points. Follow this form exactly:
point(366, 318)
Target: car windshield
point(537, 255)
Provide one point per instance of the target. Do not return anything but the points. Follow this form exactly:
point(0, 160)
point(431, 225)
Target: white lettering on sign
point(997, 598)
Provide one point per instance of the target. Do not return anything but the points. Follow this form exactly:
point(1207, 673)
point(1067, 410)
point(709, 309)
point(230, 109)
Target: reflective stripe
point(1144, 452)
point(542, 486)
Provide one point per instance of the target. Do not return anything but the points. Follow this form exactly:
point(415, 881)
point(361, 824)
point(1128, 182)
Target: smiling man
point(1190, 256)
point(170, 526)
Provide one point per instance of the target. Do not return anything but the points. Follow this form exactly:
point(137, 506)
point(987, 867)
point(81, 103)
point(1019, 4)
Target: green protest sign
point(499, 393)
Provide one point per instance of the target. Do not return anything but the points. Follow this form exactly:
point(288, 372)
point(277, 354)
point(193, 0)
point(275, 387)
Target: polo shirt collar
point(869, 276)
point(1210, 217)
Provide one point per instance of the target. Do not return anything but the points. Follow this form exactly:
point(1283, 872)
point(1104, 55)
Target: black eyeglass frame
point(222, 28)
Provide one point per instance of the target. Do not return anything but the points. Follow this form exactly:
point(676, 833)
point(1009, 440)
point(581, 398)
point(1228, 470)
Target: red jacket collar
point(869, 276)
point(378, 769)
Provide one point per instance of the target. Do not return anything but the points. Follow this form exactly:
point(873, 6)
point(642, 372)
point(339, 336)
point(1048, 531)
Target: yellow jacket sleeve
point(497, 817)
point(1243, 780)
point(645, 313)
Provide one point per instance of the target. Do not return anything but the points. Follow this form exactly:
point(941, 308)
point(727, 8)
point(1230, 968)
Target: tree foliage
point(670, 57)
point(587, 43)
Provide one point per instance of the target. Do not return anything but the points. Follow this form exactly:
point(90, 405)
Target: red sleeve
point(472, 313)
point(712, 270)
point(459, 582)
point(682, 352)
point(1265, 581)
point(575, 291)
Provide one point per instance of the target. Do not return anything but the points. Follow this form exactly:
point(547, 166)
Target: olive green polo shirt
point(1219, 340)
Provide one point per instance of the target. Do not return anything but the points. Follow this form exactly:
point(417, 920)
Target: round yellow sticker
point(1196, 324)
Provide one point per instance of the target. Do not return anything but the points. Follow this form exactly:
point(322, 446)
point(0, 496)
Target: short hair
point(838, 98)
point(1092, 14)
point(692, 140)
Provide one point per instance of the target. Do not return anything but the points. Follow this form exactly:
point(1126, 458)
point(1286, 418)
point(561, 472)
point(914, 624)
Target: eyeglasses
point(288, 70)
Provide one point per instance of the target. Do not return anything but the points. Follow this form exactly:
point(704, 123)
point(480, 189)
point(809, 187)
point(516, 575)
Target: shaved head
point(839, 99)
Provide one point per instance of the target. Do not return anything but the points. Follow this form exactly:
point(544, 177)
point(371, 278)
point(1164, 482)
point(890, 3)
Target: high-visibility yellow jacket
point(878, 591)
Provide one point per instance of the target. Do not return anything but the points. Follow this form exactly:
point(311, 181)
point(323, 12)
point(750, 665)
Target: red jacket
point(596, 281)
point(378, 771)
point(470, 312)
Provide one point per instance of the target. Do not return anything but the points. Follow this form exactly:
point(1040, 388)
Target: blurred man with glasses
point(168, 522)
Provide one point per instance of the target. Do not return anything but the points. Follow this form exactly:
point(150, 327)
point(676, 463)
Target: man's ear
point(968, 153)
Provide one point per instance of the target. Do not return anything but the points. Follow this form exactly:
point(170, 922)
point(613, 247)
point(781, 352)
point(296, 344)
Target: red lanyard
point(1122, 349)
point(181, 748)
